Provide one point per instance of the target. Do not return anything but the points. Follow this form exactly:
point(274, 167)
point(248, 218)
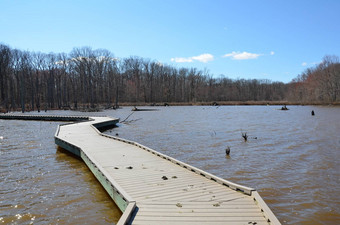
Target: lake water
point(291, 158)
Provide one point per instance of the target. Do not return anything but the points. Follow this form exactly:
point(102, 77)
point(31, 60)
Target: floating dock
point(42, 117)
point(152, 188)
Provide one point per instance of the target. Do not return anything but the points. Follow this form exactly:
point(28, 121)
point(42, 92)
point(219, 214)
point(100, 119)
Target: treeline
point(319, 84)
point(86, 78)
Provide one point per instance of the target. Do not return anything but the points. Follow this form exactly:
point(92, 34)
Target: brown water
point(42, 185)
point(291, 158)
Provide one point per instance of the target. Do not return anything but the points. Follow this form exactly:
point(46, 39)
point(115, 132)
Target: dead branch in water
point(129, 121)
point(127, 117)
point(227, 150)
point(245, 136)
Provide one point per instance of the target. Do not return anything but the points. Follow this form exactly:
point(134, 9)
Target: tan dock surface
point(153, 188)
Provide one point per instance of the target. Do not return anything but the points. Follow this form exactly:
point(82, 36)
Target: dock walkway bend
point(152, 188)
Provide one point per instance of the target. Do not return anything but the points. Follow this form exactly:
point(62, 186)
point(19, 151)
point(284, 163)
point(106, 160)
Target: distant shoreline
point(100, 107)
point(228, 103)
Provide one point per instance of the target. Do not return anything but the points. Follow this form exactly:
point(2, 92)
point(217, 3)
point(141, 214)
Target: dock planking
point(152, 188)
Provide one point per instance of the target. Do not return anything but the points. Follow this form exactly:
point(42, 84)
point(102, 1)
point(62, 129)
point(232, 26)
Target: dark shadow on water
point(97, 192)
point(109, 127)
point(62, 152)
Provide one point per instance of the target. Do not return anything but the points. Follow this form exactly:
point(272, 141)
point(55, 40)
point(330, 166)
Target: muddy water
point(40, 184)
point(291, 158)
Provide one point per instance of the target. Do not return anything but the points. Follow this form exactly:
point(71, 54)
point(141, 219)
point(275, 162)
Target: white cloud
point(310, 64)
point(201, 58)
point(272, 53)
point(204, 57)
point(242, 55)
point(181, 60)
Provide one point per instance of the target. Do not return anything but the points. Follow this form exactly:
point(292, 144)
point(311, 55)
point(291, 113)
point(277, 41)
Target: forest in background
point(87, 78)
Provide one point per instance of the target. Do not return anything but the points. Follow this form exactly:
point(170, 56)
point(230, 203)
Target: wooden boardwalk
point(152, 188)
point(44, 117)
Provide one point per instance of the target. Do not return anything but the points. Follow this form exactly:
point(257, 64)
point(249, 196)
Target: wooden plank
point(192, 182)
point(200, 223)
point(158, 178)
point(181, 186)
point(184, 206)
point(187, 195)
point(161, 218)
point(196, 205)
point(200, 210)
point(197, 197)
point(180, 192)
point(200, 214)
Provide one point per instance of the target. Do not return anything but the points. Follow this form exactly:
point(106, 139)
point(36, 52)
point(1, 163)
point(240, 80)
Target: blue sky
point(269, 39)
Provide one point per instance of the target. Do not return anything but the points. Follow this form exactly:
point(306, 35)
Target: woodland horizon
point(88, 78)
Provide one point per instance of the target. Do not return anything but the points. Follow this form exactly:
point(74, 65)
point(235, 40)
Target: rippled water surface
point(40, 184)
point(291, 158)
